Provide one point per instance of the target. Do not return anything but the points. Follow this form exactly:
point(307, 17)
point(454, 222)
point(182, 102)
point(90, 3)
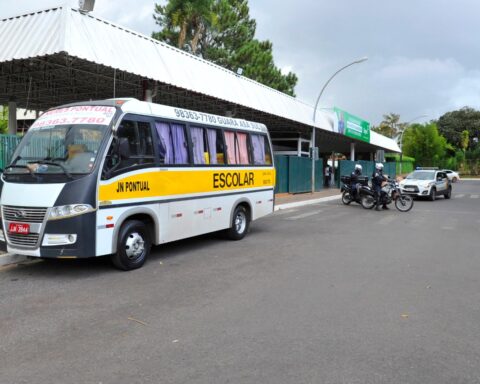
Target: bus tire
point(240, 224)
point(133, 246)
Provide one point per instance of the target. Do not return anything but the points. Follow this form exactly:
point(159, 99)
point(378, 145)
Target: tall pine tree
point(222, 31)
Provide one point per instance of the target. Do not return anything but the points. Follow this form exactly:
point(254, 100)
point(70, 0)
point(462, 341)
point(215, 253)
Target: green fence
point(8, 143)
point(407, 167)
point(294, 174)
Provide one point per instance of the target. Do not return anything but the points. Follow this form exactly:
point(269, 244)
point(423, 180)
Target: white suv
point(428, 183)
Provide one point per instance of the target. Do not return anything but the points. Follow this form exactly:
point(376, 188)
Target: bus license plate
point(19, 228)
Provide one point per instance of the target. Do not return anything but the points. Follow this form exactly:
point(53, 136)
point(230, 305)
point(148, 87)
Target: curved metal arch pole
point(315, 112)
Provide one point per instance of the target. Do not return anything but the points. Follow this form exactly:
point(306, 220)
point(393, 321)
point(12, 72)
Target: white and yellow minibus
point(115, 177)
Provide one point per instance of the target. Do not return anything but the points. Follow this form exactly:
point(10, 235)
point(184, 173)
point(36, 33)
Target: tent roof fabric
point(87, 37)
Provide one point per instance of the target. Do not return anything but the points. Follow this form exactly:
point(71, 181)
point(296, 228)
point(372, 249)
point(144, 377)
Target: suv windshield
point(62, 141)
point(421, 175)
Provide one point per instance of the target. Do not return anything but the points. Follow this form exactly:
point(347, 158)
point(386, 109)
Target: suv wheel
point(448, 194)
point(433, 194)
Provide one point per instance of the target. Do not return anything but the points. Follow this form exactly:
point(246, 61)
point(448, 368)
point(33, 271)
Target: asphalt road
point(321, 294)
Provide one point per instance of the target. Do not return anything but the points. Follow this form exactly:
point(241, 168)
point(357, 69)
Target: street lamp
point(407, 125)
point(315, 113)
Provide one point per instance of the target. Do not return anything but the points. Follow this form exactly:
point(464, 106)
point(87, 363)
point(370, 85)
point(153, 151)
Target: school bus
point(114, 177)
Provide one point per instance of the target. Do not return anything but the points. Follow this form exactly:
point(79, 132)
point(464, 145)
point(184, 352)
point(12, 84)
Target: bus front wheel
point(240, 224)
point(133, 246)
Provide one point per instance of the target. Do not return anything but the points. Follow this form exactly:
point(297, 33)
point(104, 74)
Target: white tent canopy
point(61, 55)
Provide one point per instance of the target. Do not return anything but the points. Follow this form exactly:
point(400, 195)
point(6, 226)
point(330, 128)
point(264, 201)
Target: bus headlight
point(64, 211)
point(61, 239)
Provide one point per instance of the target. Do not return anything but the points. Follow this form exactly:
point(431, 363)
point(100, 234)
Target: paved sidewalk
point(282, 201)
point(287, 201)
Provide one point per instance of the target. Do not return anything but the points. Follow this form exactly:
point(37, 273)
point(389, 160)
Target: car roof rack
point(426, 168)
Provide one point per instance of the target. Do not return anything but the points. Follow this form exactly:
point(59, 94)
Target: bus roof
point(131, 105)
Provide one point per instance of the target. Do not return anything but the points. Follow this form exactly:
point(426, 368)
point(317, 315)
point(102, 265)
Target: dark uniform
point(377, 179)
point(354, 181)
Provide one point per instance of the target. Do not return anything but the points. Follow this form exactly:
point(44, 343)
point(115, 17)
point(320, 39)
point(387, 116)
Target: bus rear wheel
point(240, 224)
point(133, 246)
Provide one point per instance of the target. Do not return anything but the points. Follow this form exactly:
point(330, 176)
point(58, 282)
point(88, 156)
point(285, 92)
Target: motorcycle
point(348, 195)
point(391, 193)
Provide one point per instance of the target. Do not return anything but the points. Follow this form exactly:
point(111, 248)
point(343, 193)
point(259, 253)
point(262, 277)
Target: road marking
point(304, 215)
point(474, 196)
point(459, 196)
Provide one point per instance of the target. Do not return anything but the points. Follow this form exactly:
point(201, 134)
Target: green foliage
point(453, 124)
point(3, 120)
point(233, 29)
point(472, 161)
point(390, 126)
point(464, 139)
point(223, 32)
point(184, 23)
point(396, 157)
point(424, 143)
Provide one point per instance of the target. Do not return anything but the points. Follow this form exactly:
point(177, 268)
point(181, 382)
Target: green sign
point(351, 126)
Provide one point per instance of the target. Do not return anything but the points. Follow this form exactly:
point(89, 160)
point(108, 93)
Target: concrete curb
point(306, 202)
point(9, 258)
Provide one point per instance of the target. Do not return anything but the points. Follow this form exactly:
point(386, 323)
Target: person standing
point(327, 176)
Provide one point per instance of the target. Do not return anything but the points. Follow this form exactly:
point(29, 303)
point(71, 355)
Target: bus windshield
point(62, 142)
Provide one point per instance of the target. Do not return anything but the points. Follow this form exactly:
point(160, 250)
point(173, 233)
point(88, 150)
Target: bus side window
point(215, 146)
point(140, 143)
point(237, 147)
point(145, 152)
point(200, 150)
point(207, 146)
point(127, 130)
point(261, 150)
point(173, 148)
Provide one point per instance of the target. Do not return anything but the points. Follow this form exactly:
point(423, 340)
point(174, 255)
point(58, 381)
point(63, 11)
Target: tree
point(256, 59)
point(233, 29)
point(184, 22)
point(452, 124)
point(390, 125)
point(426, 145)
point(464, 139)
point(223, 32)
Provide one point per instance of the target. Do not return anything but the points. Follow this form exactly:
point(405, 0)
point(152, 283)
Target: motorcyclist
point(354, 185)
point(377, 179)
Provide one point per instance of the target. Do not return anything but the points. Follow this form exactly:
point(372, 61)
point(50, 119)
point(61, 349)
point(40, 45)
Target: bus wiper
point(23, 167)
point(69, 175)
point(14, 161)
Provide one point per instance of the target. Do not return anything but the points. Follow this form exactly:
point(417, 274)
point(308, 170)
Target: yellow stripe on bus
point(171, 182)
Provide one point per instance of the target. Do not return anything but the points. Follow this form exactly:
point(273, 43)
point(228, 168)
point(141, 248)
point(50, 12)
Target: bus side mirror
point(123, 148)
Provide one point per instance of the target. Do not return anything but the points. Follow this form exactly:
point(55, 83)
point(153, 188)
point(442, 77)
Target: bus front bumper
point(67, 238)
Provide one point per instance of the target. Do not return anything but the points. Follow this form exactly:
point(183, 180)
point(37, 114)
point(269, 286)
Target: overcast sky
point(423, 55)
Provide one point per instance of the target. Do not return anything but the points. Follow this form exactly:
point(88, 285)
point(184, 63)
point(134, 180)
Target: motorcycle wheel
point(346, 198)
point(404, 203)
point(368, 202)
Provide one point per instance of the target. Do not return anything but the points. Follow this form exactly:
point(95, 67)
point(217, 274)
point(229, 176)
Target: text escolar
point(233, 179)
